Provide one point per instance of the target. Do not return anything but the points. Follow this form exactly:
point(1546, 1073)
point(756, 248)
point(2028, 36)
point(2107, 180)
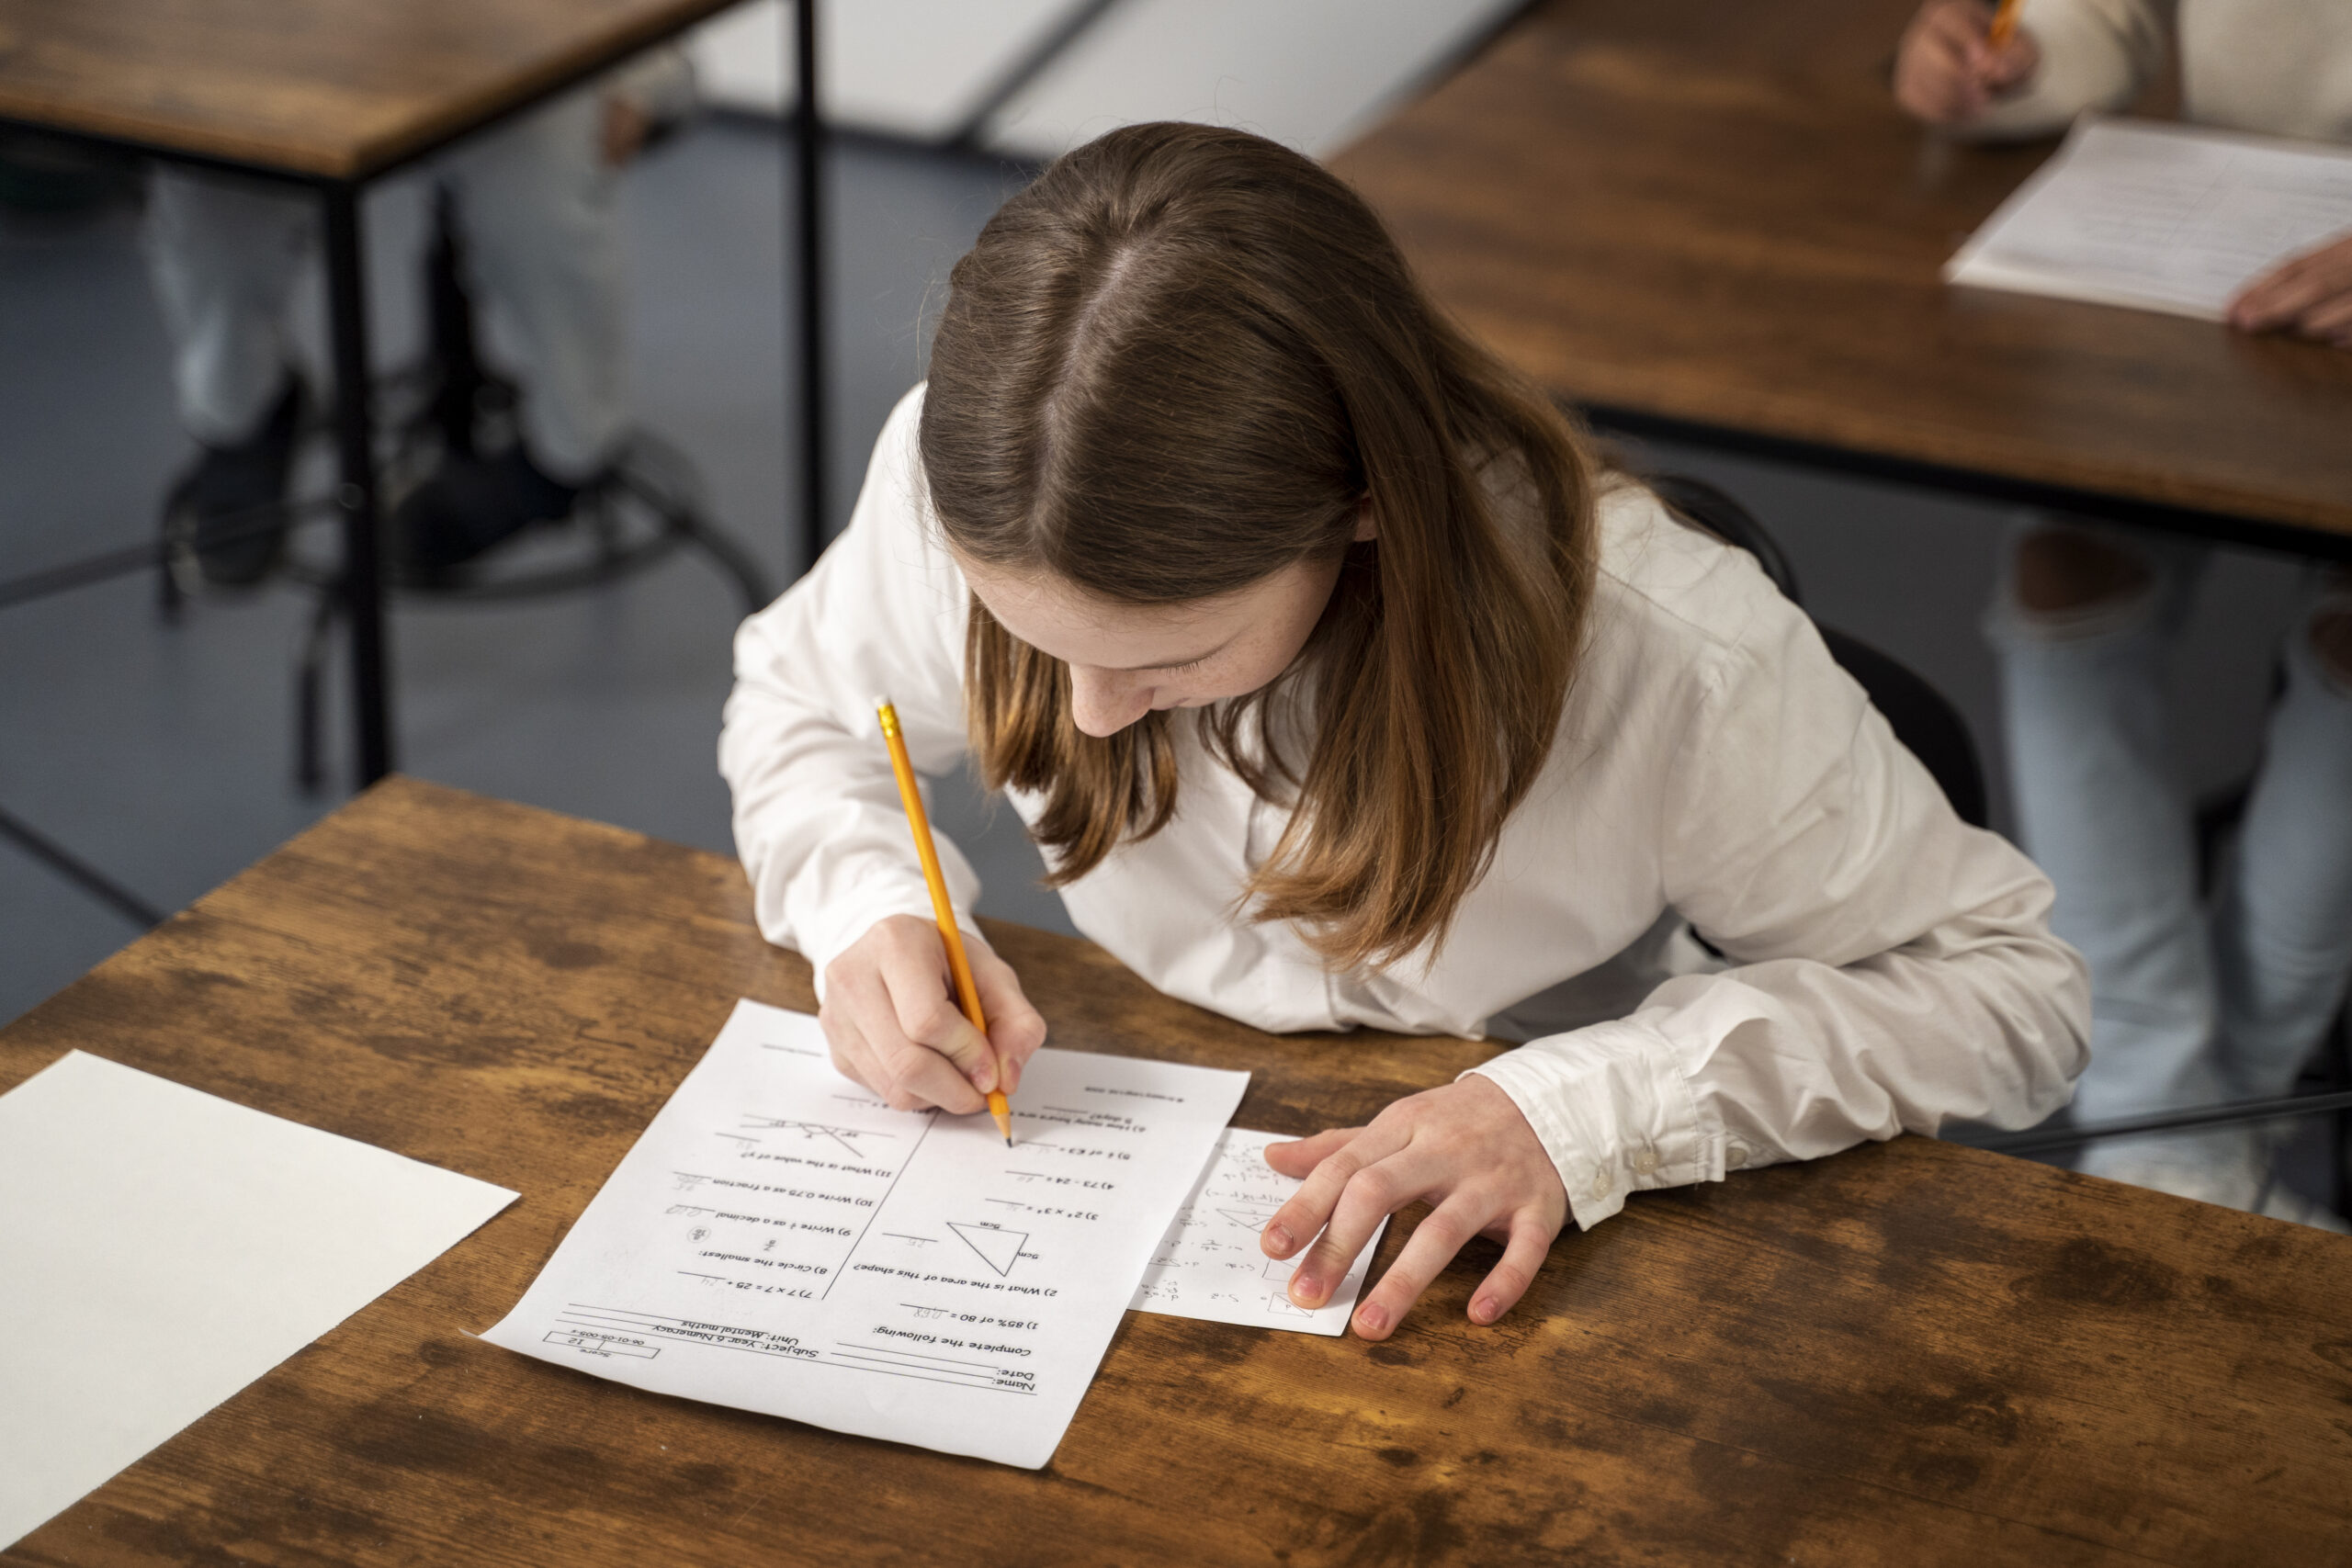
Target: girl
point(1340, 686)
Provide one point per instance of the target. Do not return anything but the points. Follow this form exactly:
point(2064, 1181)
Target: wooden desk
point(1706, 220)
point(1912, 1353)
point(343, 89)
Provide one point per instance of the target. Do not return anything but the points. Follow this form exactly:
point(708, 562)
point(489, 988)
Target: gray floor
point(163, 751)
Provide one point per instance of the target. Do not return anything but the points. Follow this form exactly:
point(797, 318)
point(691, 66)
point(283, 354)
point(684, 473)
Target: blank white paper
point(1209, 1265)
point(780, 1240)
point(161, 1249)
point(2161, 217)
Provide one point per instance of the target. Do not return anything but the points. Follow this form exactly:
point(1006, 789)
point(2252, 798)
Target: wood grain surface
point(1711, 210)
point(341, 88)
point(1912, 1353)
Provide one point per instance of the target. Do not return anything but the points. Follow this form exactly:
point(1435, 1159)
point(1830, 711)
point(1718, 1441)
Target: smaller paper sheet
point(1209, 1265)
point(161, 1249)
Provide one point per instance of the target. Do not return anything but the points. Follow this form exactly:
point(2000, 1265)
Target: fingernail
point(1305, 1289)
point(1372, 1320)
point(1278, 1238)
point(1484, 1310)
point(984, 1077)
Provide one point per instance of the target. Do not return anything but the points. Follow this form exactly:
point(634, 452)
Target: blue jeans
point(2189, 1006)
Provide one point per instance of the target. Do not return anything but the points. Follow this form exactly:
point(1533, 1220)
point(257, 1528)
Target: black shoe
point(471, 505)
point(235, 499)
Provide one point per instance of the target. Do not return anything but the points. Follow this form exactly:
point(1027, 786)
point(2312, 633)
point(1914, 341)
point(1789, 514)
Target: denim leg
point(224, 254)
point(542, 222)
point(2103, 812)
point(2282, 934)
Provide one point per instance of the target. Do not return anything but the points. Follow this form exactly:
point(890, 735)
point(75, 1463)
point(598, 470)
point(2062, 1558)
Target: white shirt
point(1891, 967)
point(2282, 67)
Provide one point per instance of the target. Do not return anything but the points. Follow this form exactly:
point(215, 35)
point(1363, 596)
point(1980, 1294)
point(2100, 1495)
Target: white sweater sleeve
point(817, 819)
point(1894, 970)
point(2096, 54)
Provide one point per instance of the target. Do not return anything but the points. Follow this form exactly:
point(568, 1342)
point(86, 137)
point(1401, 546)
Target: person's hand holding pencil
point(1958, 56)
point(919, 1011)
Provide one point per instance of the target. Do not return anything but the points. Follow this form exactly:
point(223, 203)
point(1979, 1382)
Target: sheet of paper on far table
point(1210, 1266)
point(2159, 215)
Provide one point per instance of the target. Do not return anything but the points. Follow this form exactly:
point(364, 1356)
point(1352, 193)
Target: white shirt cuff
point(1613, 1111)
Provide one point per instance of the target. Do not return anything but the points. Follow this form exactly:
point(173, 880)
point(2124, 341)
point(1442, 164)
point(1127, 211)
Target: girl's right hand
point(891, 1017)
point(1945, 71)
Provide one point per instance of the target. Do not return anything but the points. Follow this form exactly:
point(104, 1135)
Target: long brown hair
point(1183, 360)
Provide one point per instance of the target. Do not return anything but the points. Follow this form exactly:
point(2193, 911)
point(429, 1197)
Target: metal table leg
point(808, 136)
point(362, 580)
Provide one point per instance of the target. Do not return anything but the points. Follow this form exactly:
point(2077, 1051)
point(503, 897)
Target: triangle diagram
point(998, 1249)
point(1249, 1219)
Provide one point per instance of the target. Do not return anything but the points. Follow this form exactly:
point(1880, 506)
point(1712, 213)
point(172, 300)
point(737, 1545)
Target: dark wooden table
point(1706, 220)
point(339, 89)
point(1912, 1353)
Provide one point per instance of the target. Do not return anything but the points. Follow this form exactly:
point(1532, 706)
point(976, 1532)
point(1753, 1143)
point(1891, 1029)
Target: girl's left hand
point(2310, 295)
point(1465, 1150)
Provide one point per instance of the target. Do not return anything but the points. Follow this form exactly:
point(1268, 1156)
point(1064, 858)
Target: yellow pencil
point(965, 991)
point(2005, 23)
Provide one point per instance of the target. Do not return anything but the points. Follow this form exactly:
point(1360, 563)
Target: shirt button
point(1601, 1183)
point(1646, 1160)
point(1735, 1155)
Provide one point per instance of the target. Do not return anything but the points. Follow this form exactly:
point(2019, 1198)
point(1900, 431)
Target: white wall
point(1309, 73)
point(910, 67)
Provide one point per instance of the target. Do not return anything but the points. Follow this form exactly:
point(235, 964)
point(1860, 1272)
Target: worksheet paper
point(780, 1240)
point(2163, 216)
point(1209, 1265)
point(161, 1249)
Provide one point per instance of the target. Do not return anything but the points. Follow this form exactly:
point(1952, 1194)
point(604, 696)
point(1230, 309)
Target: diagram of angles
point(998, 1247)
point(812, 1131)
